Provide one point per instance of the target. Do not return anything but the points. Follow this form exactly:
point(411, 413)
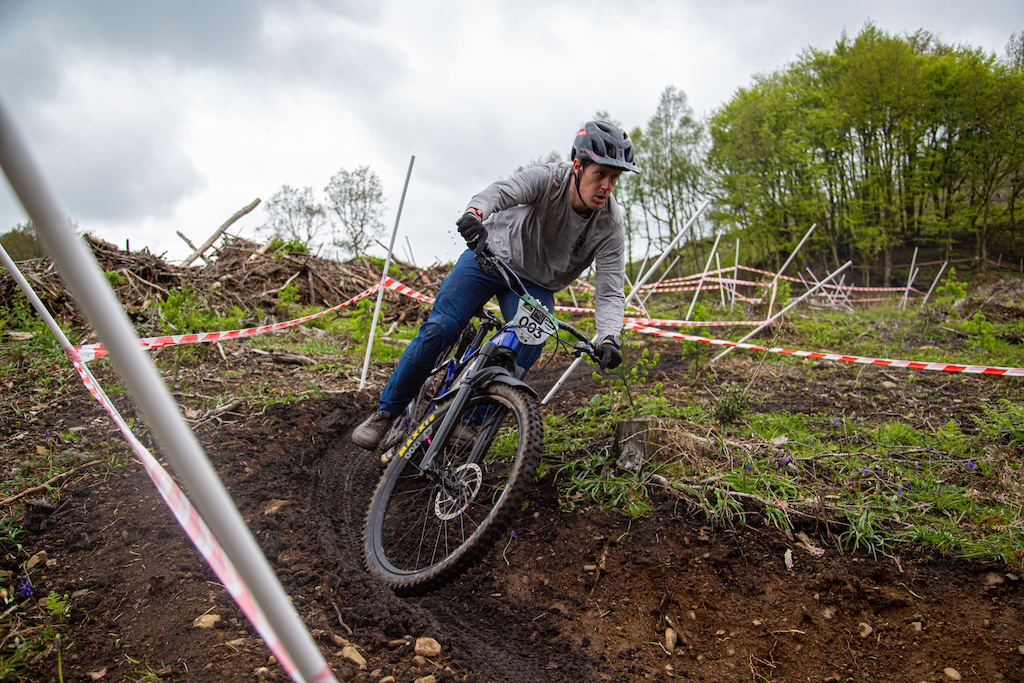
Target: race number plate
point(532, 324)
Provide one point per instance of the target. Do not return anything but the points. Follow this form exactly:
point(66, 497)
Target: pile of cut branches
point(242, 274)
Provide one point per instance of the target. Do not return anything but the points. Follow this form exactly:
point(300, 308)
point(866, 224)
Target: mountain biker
point(549, 223)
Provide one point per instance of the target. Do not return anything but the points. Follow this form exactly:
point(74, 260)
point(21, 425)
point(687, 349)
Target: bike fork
point(458, 402)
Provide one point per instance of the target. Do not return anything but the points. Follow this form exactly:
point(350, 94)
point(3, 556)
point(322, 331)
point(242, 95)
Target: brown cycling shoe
point(368, 435)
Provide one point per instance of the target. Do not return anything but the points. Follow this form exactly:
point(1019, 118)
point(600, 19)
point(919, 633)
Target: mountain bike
point(461, 458)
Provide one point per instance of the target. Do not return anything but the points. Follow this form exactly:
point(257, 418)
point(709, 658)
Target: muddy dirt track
point(575, 595)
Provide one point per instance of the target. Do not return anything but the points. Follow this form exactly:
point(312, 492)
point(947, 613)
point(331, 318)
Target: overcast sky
point(151, 118)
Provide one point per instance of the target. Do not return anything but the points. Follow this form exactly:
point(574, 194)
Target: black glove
point(472, 230)
point(610, 356)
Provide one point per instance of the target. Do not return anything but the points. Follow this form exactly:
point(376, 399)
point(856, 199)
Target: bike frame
point(477, 367)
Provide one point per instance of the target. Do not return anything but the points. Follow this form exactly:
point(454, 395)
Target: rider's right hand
point(472, 230)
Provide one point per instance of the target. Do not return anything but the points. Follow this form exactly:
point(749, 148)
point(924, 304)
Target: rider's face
point(596, 184)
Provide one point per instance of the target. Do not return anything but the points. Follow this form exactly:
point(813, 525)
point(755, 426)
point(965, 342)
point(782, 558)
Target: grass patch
point(864, 484)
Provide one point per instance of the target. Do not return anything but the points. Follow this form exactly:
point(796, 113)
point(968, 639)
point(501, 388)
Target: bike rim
point(427, 521)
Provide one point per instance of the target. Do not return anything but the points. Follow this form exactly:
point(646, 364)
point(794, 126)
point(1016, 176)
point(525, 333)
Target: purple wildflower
point(25, 587)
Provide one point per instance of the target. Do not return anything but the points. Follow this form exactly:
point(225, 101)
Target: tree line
point(885, 142)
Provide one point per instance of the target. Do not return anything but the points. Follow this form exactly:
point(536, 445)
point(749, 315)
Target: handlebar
point(490, 262)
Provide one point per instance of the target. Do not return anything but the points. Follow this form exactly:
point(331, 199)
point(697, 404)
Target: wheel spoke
point(423, 528)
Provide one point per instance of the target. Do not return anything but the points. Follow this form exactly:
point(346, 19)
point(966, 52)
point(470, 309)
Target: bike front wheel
point(423, 529)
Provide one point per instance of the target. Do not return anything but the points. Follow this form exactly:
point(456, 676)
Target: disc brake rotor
point(458, 490)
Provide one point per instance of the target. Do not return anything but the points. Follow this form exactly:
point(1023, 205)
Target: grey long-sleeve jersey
point(532, 225)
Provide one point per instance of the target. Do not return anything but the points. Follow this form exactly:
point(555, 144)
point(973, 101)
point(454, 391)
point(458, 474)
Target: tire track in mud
point(483, 637)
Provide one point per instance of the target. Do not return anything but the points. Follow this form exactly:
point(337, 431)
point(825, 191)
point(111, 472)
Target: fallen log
point(285, 358)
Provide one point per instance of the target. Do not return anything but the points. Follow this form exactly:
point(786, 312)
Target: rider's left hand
point(610, 356)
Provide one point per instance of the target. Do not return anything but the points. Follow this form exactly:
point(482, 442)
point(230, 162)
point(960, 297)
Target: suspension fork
point(457, 403)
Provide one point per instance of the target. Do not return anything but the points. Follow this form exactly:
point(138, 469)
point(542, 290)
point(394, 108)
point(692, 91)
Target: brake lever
point(581, 347)
point(484, 260)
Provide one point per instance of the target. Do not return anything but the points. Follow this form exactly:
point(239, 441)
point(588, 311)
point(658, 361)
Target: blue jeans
point(462, 294)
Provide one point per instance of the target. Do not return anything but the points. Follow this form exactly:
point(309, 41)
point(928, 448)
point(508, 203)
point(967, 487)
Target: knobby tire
point(421, 533)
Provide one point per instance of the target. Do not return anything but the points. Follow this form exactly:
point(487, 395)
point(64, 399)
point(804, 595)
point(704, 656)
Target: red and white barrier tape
point(680, 288)
point(845, 288)
point(910, 364)
point(686, 278)
point(660, 322)
point(584, 285)
point(195, 528)
point(644, 325)
point(771, 274)
point(397, 286)
point(88, 352)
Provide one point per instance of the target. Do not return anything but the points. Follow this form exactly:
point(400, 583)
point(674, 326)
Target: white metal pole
point(935, 282)
point(647, 257)
point(641, 304)
point(78, 267)
point(791, 256)
point(910, 279)
point(784, 310)
point(408, 244)
point(632, 293)
point(845, 294)
point(660, 280)
point(671, 246)
point(824, 290)
point(910, 283)
point(736, 273)
point(700, 283)
point(383, 277)
point(721, 290)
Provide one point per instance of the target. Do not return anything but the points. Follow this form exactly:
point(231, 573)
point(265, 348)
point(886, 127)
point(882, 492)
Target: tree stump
point(638, 440)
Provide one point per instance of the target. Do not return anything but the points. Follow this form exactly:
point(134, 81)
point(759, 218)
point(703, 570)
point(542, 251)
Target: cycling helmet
point(606, 144)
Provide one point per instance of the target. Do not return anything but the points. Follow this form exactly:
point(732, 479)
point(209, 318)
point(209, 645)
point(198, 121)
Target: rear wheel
point(424, 529)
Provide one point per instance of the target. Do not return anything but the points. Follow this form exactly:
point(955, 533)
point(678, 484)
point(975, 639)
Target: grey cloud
point(328, 46)
point(123, 158)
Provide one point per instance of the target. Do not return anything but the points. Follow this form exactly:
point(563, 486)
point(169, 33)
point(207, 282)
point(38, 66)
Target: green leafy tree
point(991, 147)
point(22, 242)
point(356, 204)
point(883, 141)
point(669, 152)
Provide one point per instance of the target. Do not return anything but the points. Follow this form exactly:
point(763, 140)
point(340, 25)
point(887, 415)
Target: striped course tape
point(848, 288)
point(196, 529)
point(661, 322)
point(910, 364)
point(682, 288)
point(88, 352)
point(642, 325)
